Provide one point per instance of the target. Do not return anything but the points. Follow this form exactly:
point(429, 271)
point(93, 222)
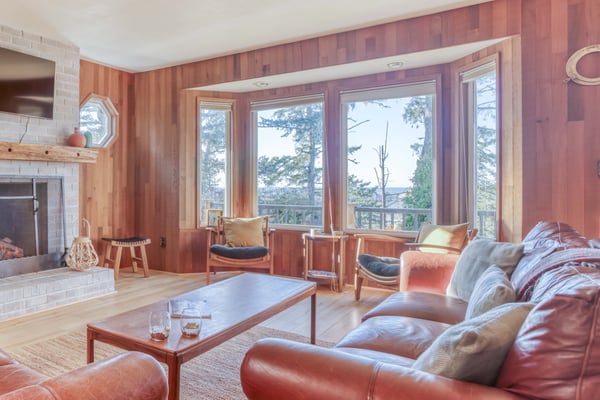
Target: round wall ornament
point(572, 72)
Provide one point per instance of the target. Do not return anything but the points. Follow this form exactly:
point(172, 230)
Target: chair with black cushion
point(239, 244)
point(426, 266)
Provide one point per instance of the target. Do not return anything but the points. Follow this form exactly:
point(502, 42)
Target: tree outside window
point(389, 135)
point(484, 153)
point(289, 161)
point(214, 131)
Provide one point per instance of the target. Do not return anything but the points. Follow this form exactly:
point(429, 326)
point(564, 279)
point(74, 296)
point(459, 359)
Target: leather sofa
point(127, 376)
point(555, 355)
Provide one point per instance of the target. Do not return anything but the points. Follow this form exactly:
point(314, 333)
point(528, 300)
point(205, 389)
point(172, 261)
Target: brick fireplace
point(31, 130)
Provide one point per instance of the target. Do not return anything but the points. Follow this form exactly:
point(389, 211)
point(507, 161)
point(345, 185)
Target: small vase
point(88, 139)
point(77, 139)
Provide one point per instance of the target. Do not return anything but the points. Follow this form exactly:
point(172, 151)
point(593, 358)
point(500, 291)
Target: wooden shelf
point(46, 152)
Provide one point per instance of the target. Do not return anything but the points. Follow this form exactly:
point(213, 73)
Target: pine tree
point(419, 111)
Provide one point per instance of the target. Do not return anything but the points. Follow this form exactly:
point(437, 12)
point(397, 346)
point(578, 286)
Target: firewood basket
point(81, 255)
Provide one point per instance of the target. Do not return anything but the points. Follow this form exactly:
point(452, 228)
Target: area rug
point(212, 375)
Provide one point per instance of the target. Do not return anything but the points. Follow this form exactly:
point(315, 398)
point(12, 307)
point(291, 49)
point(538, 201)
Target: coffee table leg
point(174, 369)
point(90, 347)
point(313, 318)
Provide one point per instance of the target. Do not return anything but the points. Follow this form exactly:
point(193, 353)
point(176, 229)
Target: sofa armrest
point(282, 369)
point(5, 358)
point(426, 271)
point(126, 376)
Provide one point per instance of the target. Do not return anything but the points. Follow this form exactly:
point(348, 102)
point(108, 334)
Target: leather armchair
point(126, 376)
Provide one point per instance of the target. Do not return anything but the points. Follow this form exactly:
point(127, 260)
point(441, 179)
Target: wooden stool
point(132, 243)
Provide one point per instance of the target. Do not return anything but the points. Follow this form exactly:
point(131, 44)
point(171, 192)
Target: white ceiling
point(141, 35)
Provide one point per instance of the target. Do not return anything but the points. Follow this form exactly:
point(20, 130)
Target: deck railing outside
point(367, 218)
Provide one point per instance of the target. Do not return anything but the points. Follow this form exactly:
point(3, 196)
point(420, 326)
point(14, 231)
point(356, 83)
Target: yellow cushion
point(243, 232)
point(442, 235)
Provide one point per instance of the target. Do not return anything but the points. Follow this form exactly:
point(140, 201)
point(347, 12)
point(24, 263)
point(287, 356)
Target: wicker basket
point(81, 255)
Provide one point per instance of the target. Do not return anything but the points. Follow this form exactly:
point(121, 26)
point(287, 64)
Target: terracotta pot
point(77, 139)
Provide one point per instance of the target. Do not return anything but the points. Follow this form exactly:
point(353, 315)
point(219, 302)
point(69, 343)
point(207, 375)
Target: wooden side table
point(332, 272)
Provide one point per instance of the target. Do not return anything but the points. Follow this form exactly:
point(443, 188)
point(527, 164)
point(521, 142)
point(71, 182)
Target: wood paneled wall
point(561, 122)
point(107, 197)
point(551, 170)
point(159, 130)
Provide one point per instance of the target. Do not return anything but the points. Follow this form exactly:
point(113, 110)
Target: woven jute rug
point(212, 375)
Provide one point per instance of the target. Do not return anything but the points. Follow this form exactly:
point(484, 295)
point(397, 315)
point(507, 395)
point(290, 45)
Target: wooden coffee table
point(237, 304)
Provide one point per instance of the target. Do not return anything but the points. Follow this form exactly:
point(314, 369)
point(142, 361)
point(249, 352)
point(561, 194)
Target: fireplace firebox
point(32, 224)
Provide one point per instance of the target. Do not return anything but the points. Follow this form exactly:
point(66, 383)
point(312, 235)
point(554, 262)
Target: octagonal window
point(98, 120)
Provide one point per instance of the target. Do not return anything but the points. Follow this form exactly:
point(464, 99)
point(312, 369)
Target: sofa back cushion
point(479, 255)
point(492, 289)
point(555, 235)
point(556, 355)
point(544, 239)
point(524, 279)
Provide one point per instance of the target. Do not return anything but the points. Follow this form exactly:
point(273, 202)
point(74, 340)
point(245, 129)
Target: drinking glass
point(191, 322)
point(159, 325)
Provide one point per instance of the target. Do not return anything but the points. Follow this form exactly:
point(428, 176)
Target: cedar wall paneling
point(550, 175)
point(561, 143)
point(106, 187)
point(162, 144)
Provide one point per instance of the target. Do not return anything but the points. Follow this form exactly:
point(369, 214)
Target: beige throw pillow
point(474, 350)
point(243, 232)
point(492, 289)
point(442, 235)
point(479, 255)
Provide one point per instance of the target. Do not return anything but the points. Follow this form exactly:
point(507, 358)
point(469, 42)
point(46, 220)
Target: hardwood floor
point(337, 313)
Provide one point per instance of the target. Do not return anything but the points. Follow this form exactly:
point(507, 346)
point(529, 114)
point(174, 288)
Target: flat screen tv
point(26, 84)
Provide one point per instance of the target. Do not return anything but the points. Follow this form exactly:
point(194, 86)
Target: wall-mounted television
point(26, 84)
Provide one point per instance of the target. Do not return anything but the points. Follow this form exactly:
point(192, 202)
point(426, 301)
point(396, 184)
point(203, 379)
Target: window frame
point(106, 104)
point(467, 77)
point(283, 102)
point(223, 105)
point(426, 86)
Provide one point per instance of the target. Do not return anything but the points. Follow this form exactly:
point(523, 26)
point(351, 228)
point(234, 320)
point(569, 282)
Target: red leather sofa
point(127, 376)
point(556, 353)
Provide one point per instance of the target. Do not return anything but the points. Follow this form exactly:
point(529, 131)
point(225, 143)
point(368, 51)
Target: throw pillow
point(474, 350)
point(243, 232)
point(476, 258)
point(492, 289)
point(442, 235)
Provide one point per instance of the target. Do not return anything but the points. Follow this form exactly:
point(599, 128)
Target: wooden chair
point(426, 266)
point(239, 244)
